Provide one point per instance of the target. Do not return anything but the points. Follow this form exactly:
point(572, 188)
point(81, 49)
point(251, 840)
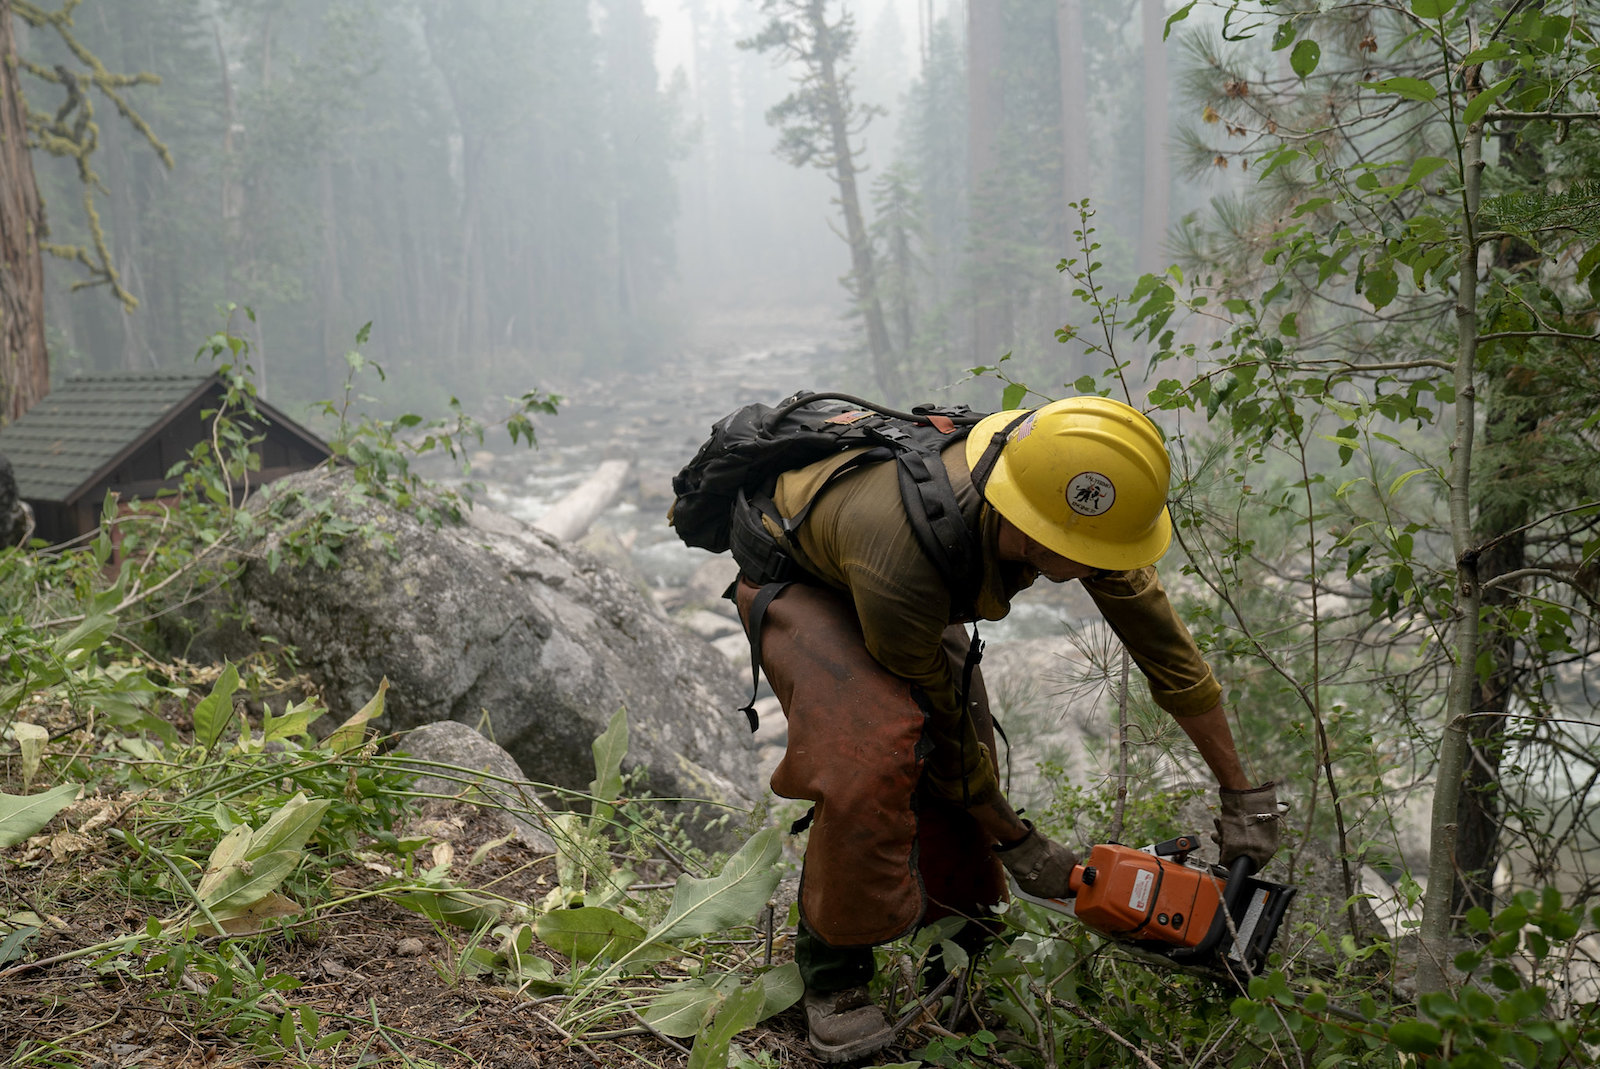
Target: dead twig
point(1101, 1026)
point(662, 1036)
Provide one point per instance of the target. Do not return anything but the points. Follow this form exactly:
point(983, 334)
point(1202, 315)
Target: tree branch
point(1502, 334)
point(1552, 116)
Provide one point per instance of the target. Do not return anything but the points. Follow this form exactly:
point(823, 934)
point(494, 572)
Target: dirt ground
point(389, 977)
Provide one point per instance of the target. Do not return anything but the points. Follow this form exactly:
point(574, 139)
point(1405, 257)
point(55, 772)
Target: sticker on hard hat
point(1090, 493)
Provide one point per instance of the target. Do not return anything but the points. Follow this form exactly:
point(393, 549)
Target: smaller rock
point(654, 486)
point(448, 742)
point(708, 624)
point(710, 580)
point(773, 726)
point(411, 947)
point(736, 648)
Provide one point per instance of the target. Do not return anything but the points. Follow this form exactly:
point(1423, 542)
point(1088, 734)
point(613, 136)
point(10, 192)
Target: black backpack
point(722, 493)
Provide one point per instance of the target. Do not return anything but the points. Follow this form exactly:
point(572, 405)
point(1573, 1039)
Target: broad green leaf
point(1479, 106)
point(1380, 285)
point(609, 750)
point(21, 815)
point(590, 932)
point(1305, 57)
point(1409, 88)
point(247, 882)
point(293, 724)
point(1414, 1037)
point(225, 858)
point(1011, 397)
point(741, 1010)
point(88, 635)
point(533, 973)
point(783, 987)
point(521, 966)
point(16, 936)
point(460, 908)
point(26, 918)
point(1491, 51)
point(351, 733)
point(216, 708)
point(683, 1009)
point(1423, 167)
point(31, 741)
point(289, 827)
point(734, 896)
point(1431, 9)
point(485, 849)
point(1395, 486)
point(953, 954)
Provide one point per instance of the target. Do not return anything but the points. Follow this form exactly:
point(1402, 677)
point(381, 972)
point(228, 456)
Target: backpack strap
point(758, 615)
point(991, 452)
point(935, 515)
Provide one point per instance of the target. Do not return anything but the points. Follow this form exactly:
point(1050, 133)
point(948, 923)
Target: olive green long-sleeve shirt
point(857, 539)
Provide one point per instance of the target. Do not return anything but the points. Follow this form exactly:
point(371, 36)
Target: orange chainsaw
point(1220, 922)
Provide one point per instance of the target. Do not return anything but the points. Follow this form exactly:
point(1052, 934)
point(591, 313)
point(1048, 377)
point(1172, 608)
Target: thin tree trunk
point(332, 283)
point(1433, 937)
point(1074, 108)
point(1499, 528)
point(24, 362)
point(1479, 811)
point(1157, 175)
point(985, 114)
point(863, 264)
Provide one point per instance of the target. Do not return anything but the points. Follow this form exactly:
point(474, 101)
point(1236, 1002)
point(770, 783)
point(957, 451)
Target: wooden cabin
point(122, 432)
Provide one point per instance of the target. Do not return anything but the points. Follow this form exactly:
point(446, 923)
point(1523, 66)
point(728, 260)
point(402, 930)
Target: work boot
point(846, 1025)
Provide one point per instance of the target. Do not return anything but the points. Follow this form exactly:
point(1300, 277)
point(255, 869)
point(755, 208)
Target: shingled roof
point(121, 433)
point(85, 425)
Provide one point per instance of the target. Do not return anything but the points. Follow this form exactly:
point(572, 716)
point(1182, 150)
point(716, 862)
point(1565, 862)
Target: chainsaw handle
point(1233, 895)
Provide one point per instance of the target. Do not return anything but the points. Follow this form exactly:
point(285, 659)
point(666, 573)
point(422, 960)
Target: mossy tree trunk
point(24, 364)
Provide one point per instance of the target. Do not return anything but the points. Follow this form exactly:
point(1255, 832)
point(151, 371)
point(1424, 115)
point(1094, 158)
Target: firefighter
point(889, 728)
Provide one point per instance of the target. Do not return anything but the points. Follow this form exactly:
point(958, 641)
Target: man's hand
point(1248, 826)
point(1039, 866)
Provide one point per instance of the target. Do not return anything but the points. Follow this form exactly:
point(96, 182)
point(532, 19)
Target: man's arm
point(1214, 739)
point(1248, 823)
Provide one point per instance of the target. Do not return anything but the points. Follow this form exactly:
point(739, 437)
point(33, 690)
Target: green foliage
point(1498, 1011)
point(21, 816)
point(1392, 601)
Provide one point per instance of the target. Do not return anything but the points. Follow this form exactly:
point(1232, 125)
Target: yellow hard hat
point(1085, 477)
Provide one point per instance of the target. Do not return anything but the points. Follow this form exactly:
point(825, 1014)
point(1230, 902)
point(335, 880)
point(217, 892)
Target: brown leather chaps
point(883, 856)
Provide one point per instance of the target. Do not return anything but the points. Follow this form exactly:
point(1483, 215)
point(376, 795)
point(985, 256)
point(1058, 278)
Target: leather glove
point(1040, 867)
point(1248, 826)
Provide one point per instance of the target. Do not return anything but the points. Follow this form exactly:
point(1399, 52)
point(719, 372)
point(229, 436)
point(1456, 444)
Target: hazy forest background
point(528, 188)
point(1348, 256)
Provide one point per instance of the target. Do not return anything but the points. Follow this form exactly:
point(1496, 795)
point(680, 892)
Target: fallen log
point(570, 516)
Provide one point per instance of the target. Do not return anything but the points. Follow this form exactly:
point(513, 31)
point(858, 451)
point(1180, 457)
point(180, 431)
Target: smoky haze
point(518, 194)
